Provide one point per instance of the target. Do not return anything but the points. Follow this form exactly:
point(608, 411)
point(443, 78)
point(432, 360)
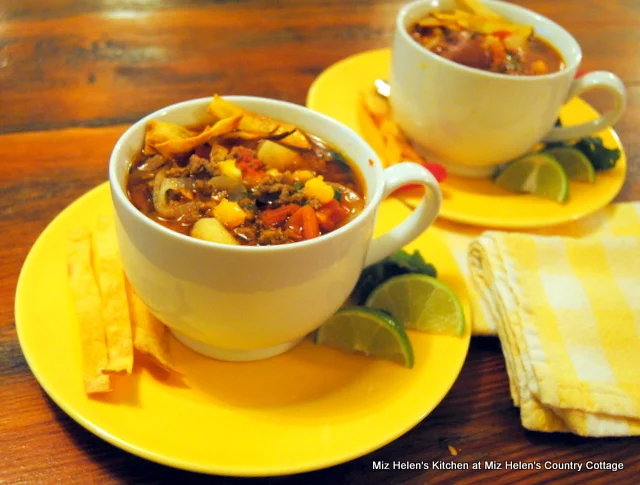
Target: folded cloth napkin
point(567, 312)
point(622, 219)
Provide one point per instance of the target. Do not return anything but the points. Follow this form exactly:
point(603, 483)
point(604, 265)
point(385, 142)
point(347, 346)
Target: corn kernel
point(228, 168)
point(230, 214)
point(302, 175)
point(539, 67)
point(317, 188)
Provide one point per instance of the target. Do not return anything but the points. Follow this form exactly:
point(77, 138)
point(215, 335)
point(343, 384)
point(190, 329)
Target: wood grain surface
point(75, 73)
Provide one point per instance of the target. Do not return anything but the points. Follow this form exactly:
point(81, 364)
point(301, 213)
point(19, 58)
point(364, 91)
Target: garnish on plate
point(112, 321)
point(398, 293)
point(399, 263)
point(546, 172)
point(396, 147)
point(601, 157)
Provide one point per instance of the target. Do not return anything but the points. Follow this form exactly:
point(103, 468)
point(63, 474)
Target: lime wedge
point(420, 302)
point(575, 163)
point(536, 173)
point(369, 331)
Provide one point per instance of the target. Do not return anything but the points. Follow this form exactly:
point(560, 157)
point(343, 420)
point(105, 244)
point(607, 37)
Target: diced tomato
point(437, 170)
point(501, 34)
point(331, 214)
point(247, 162)
point(498, 53)
point(407, 188)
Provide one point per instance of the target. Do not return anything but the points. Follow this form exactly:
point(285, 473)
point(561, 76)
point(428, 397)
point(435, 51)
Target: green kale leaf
point(601, 157)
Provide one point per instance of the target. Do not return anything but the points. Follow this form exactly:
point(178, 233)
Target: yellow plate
point(472, 201)
point(307, 409)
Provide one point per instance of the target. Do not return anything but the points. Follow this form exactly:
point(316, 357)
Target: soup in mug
point(245, 179)
point(488, 43)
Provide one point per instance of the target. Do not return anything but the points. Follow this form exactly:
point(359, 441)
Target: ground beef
point(177, 171)
point(248, 234)
point(276, 191)
point(203, 188)
point(202, 167)
point(196, 165)
point(271, 236)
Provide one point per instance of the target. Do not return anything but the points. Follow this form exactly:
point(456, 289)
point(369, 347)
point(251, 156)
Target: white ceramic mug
point(246, 303)
point(472, 120)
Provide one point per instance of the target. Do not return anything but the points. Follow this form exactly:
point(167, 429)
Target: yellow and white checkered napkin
point(614, 220)
point(567, 312)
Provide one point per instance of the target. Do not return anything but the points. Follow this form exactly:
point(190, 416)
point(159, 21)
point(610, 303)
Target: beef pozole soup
point(483, 40)
point(246, 179)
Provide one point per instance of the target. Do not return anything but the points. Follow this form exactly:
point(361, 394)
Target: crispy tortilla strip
point(408, 152)
point(430, 22)
point(255, 123)
point(297, 139)
point(479, 8)
point(150, 336)
point(376, 106)
point(392, 152)
point(115, 309)
point(246, 135)
point(395, 146)
point(86, 297)
point(221, 108)
point(250, 122)
point(278, 135)
point(184, 144)
point(157, 132)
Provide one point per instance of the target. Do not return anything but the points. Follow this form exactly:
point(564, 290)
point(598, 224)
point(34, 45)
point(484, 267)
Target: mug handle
point(418, 221)
point(593, 80)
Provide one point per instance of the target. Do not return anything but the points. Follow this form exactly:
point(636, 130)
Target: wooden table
point(74, 75)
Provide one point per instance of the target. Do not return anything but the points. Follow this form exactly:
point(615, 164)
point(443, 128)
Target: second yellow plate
point(336, 92)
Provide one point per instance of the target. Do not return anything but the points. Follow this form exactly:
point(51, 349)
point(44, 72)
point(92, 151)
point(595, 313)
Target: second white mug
point(472, 120)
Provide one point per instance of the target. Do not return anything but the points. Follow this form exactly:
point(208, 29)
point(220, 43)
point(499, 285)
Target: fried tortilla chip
point(277, 135)
point(157, 132)
point(246, 135)
point(395, 145)
point(251, 122)
point(479, 8)
point(150, 336)
point(115, 309)
point(376, 106)
point(221, 108)
point(88, 306)
point(296, 139)
point(186, 141)
point(477, 18)
point(255, 123)
point(392, 150)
